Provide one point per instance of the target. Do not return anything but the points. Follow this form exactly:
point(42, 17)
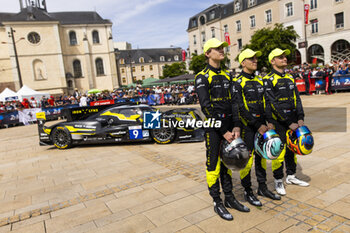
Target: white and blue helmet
point(269, 146)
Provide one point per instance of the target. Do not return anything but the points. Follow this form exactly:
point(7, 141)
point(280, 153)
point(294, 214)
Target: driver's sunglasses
point(252, 58)
point(219, 48)
point(281, 56)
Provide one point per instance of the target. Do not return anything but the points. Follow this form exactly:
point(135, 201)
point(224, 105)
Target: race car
point(124, 123)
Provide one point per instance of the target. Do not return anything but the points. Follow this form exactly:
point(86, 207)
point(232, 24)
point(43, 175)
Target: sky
point(143, 23)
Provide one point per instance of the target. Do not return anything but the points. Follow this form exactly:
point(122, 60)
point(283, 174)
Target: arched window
point(162, 58)
point(176, 57)
point(122, 61)
point(73, 38)
point(95, 37)
point(141, 60)
point(77, 69)
point(99, 67)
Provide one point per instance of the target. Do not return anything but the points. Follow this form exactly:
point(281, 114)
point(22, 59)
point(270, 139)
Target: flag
point(306, 12)
point(183, 55)
point(227, 38)
point(314, 61)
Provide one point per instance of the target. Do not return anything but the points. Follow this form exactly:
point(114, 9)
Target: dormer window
point(141, 60)
point(237, 6)
point(162, 58)
point(252, 2)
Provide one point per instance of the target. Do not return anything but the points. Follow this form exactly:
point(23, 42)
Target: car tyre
point(62, 138)
point(163, 135)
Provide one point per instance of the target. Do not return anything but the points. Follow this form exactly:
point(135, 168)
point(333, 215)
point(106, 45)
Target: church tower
point(39, 4)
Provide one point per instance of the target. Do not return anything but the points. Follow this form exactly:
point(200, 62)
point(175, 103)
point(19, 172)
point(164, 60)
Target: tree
point(175, 69)
point(267, 39)
point(198, 62)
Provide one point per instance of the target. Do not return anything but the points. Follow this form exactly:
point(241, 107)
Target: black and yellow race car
point(123, 123)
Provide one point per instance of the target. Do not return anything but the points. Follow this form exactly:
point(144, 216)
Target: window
point(338, 1)
point(134, 79)
point(143, 77)
point(72, 38)
point(99, 67)
point(251, 2)
point(194, 39)
point(77, 69)
point(239, 43)
point(314, 26)
point(194, 22)
point(122, 61)
point(313, 4)
point(339, 20)
point(202, 20)
point(213, 33)
point(133, 69)
point(150, 67)
point(225, 28)
point(252, 21)
point(152, 76)
point(195, 51)
point(268, 16)
point(237, 6)
point(203, 36)
point(238, 25)
point(141, 60)
point(289, 9)
point(162, 58)
point(212, 15)
point(225, 11)
point(95, 37)
point(124, 80)
point(142, 68)
point(176, 57)
point(123, 70)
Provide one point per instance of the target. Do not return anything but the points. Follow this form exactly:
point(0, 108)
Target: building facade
point(327, 33)
point(139, 64)
point(56, 52)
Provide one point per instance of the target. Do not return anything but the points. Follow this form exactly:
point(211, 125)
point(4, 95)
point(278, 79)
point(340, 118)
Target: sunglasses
point(252, 58)
point(281, 57)
point(219, 48)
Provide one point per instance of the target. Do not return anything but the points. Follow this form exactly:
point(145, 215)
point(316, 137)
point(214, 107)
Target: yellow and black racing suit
point(213, 89)
point(284, 103)
point(251, 103)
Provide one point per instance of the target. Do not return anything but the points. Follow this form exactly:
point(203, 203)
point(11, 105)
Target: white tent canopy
point(27, 92)
point(8, 93)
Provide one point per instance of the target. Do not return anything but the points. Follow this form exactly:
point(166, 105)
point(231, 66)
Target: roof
point(149, 55)
point(221, 11)
point(40, 15)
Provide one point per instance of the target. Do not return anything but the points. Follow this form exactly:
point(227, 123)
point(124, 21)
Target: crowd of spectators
point(170, 95)
point(156, 95)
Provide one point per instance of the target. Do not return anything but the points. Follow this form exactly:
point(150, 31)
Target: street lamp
point(10, 34)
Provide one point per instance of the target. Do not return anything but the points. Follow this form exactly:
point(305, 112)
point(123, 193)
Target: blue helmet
point(269, 146)
point(300, 141)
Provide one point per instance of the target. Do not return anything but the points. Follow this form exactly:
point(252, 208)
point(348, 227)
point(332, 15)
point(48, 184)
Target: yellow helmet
point(300, 141)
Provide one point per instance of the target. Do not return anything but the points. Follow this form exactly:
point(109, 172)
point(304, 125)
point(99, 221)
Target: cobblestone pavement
point(162, 188)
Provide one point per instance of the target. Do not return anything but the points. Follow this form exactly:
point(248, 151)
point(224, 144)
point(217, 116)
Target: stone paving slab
point(162, 188)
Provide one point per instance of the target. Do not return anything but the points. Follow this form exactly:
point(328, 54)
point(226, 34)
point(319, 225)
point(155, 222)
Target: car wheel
point(163, 135)
point(61, 138)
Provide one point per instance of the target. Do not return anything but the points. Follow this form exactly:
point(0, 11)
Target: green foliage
point(267, 39)
point(175, 69)
point(199, 62)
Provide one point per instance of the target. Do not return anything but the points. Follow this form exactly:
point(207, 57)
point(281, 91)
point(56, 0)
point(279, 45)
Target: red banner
point(183, 55)
point(306, 12)
point(227, 38)
point(102, 102)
